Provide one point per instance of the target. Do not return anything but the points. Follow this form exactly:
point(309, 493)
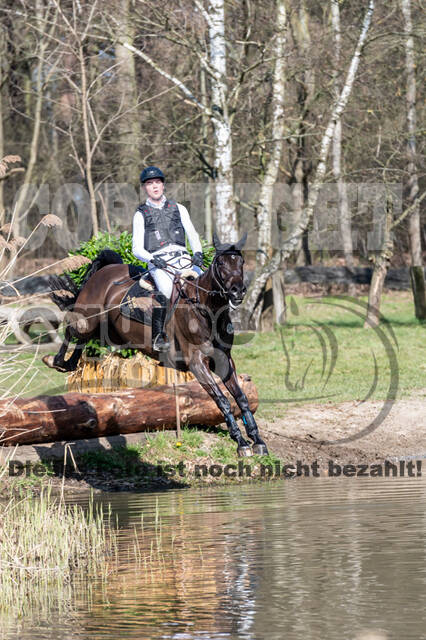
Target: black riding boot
point(160, 340)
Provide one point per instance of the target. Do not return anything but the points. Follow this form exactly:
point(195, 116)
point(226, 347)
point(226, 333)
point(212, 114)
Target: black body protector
point(162, 226)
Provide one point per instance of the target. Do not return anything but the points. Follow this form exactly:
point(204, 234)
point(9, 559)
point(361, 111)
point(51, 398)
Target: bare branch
point(180, 85)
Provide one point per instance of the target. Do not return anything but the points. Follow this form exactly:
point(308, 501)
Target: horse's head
point(228, 269)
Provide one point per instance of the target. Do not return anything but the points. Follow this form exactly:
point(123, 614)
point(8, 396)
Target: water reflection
point(323, 558)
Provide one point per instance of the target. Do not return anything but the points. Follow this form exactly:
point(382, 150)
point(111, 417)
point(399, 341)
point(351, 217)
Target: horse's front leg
point(199, 366)
point(230, 380)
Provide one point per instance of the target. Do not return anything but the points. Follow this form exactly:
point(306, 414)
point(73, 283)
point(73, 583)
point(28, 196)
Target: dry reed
point(45, 546)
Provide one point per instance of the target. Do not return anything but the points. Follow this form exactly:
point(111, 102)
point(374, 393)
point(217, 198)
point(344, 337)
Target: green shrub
point(122, 244)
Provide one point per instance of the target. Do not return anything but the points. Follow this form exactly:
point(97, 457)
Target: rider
point(159, 227)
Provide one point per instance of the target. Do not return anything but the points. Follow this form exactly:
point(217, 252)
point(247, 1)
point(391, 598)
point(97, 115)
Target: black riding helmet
point(151, 172)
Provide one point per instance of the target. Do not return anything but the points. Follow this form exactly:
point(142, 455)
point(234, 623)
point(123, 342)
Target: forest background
point(295, 120)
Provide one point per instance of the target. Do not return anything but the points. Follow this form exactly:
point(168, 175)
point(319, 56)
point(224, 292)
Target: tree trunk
point(419, 291)
point(226, 213)
point(129, 129)
point(264, 209)
point(87, 142)
point(342, 196)
point(45, 24)
point(412, 188)
point(74, 416)
point(305, 93)
point(381, 265)
point(36, 116)
point(208, 220)
point(278, 292)
point(375, 292)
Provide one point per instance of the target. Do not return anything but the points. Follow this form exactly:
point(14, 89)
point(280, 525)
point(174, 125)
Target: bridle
point(219, 281)
point(216, 277)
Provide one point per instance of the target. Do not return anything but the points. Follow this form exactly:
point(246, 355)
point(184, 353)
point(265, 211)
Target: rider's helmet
point(151, 172)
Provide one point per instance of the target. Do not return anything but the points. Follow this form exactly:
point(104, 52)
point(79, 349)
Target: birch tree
point(264, 209)
point(226, 214)
point(305, 96)
point(412, 187)
point(291, 242)
point(214, 61)
point(381, 264)
point(342, 195)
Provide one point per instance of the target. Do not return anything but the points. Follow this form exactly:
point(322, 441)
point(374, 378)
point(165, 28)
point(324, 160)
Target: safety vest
point(162, 226)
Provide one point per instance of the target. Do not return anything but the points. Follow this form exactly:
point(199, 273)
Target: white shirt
point(139, 233)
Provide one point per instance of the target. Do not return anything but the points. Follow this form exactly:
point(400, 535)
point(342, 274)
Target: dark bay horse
point(199, 327)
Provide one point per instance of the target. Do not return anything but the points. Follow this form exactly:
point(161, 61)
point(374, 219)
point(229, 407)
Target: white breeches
point(163, 279)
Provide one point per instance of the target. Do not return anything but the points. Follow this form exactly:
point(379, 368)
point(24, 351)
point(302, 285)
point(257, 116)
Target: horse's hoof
point(244, 452)
point(260, 450)
point(49, 362)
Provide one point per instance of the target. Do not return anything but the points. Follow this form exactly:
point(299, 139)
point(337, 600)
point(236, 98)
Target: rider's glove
point(158, 262)
point(197, 259)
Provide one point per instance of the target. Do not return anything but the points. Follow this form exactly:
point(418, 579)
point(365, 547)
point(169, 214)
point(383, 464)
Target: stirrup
point(161, 342)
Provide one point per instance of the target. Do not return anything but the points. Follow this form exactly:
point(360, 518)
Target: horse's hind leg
point(58, 362)
point(200, 368)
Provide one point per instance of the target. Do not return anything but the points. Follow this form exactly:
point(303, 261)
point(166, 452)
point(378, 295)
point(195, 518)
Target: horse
point(198, 324)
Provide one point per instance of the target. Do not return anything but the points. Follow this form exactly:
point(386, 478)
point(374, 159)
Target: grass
point(224, 451)
point(119, 461)
point(24, 374)
point(287, 364)
point(161, 457)
point(144, 458)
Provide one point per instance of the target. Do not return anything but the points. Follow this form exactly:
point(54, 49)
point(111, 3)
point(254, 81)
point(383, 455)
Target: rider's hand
point(197, 259)
point(158, 262)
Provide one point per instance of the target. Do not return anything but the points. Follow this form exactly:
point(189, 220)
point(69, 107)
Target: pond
point(308, 558)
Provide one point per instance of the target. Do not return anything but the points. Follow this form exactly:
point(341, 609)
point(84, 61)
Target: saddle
point(136, 303)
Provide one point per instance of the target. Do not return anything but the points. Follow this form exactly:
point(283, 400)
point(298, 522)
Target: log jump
point(74, 416)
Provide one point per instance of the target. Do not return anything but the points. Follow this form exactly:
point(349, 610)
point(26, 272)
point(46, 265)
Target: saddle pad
point(136, 304)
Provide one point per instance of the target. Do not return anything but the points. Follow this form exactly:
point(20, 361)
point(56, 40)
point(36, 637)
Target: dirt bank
point(325, 431)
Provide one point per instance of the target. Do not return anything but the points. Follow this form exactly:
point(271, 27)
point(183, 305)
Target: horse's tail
point(64, 291)
point(106, 256)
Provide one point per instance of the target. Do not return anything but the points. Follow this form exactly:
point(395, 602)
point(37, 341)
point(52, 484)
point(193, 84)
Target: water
point(310, 558)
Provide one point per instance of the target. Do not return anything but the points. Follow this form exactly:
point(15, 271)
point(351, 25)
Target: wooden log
point(74, 416)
